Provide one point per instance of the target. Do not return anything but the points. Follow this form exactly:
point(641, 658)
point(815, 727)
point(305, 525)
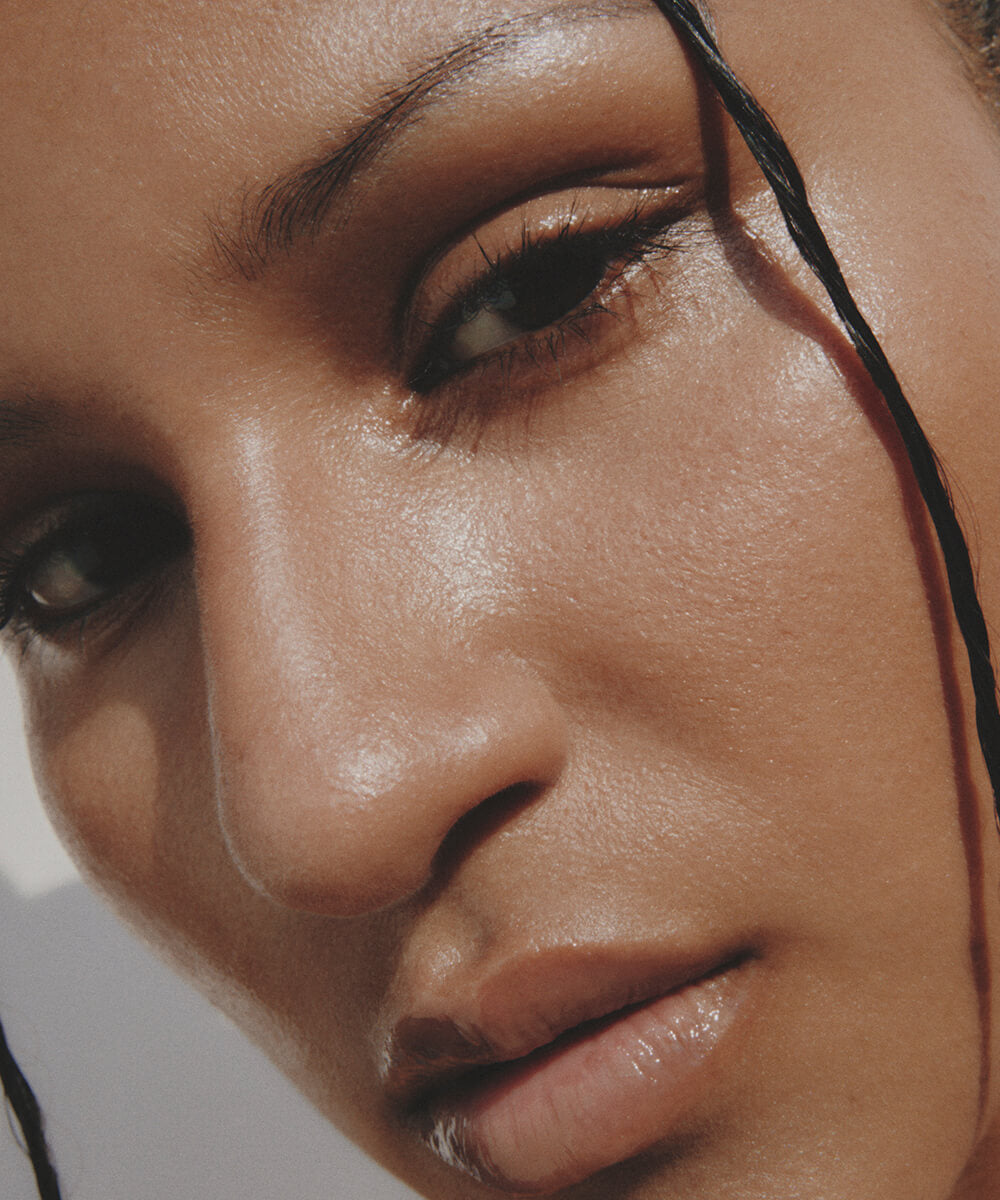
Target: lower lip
point(595, 1097)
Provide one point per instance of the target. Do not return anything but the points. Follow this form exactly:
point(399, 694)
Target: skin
point(659, 649)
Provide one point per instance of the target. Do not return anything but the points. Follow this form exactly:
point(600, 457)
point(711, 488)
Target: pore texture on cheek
point(709, 542)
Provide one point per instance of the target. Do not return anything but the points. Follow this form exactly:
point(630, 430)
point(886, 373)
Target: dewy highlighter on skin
point(526, 699)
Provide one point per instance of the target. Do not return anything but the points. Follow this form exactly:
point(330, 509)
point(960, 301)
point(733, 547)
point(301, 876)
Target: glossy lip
point(638, 1026)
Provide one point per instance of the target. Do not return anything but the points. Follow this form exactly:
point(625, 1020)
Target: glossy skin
point(644, 653)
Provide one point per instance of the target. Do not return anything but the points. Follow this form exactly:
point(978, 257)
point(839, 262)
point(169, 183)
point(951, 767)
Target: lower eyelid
point(518, 376)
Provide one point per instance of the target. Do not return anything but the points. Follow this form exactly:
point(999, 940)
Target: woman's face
point(464, 586)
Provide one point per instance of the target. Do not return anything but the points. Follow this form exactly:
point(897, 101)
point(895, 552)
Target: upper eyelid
point(683, 190)
point(38, 526)
point(47, 519)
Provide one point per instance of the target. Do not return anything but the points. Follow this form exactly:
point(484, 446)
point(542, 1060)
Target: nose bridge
point(351, 729)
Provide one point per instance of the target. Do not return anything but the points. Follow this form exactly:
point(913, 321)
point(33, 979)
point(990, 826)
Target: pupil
point(105, 552)
point(552, 283)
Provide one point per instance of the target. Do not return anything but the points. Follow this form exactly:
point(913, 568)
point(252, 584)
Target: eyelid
point(455, 271)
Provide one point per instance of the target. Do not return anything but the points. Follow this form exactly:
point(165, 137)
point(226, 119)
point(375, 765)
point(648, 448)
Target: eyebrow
point(295, 204)
point(22, 419)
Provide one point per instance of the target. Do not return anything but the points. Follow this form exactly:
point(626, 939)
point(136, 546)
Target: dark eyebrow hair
point(22, 419)
point(295, 203)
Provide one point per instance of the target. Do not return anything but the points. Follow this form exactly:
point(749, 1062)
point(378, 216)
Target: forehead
point(140, 91)
point(112, 108)
point(110, 85)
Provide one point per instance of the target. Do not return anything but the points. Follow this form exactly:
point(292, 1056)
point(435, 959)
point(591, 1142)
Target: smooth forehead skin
point(650, 659)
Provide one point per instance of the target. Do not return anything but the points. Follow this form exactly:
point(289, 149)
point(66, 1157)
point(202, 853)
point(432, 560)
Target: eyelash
point(152, 537)
point(448, 399)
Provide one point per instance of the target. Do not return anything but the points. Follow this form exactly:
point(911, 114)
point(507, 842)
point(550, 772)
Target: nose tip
point(346, 815)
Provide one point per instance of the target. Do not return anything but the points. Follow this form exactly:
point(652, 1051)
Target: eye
point(542, 285)
point(81, 557)
point(528, 290)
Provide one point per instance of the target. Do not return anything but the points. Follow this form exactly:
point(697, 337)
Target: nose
point(344, 754)
point(343, 812)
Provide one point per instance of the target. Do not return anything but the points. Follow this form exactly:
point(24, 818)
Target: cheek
point(744, 612)
point(739, 542)
point(124, 768)
point(99, 780)
point(744, 598)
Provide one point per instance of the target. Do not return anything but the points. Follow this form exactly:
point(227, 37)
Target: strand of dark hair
point(977, 24)
point(780, 169)
point(22, 1102)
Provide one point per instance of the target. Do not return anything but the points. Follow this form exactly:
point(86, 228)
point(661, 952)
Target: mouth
point(575, 1062)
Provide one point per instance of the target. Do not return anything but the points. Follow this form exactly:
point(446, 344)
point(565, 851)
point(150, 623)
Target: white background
point(150, 1094)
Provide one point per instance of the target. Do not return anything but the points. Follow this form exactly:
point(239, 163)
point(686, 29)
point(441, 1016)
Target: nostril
point(479, 825)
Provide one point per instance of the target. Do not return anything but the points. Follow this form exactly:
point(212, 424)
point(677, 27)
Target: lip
point(565, 1062)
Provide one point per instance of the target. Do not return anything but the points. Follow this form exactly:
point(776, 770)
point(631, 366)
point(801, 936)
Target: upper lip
point(527, 1002)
